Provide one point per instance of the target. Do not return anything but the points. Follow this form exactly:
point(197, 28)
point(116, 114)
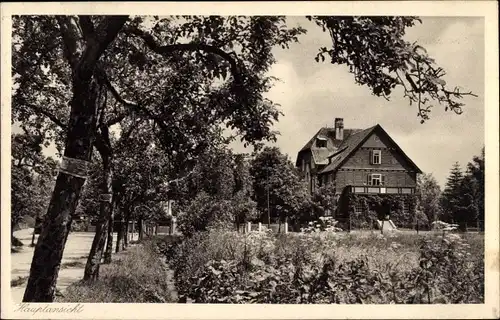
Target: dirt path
point(72, 265)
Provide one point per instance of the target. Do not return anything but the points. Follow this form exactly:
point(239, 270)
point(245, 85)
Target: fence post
point(174, 224)
point(249, 226)
point(260, 226)
point(286, 227)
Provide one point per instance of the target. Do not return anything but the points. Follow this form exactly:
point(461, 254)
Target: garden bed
point(327, 267)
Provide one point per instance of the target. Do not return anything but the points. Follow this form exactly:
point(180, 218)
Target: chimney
point(339, 128)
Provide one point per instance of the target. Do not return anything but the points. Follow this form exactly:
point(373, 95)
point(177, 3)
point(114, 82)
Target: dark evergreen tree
point(450, 199)
point(476, 171)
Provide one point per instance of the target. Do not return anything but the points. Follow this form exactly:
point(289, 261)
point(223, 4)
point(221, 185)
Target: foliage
point(370, 205)
point(430, 192)
point(277, 180)
point(138, 277)
point(203, 213)
point(323, 200)
point(452, 193)
point(475, 170)
point(32, 176)
point(463, 197)
point(322, 224)
point(321, 267)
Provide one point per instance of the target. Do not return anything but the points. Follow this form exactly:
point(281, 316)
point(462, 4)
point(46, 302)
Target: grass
point(136, 277)
point(19, 281)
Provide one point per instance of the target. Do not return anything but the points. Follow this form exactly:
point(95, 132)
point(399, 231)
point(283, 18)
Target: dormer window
point(376, 157)
point(320, 142)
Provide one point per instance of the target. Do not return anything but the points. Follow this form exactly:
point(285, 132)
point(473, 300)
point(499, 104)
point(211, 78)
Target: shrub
point(323, 267)
point(139, 276)
point(322, 224)
point(205, 212)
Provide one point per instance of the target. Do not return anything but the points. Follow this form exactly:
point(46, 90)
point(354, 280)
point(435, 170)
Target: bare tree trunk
point(133, 228)
point(126, 229)
point(33, 239)
point(109, 243)
point(105, 211)
point(119, 236)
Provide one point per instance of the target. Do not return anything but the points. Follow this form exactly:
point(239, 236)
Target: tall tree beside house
point(279, 191)
point(245, 207)
point(430, 193)
point(77, 71)
point(451, 196)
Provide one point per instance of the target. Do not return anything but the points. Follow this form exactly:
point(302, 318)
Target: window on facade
point(375, 179)
point(406, 190)
point(376, 156)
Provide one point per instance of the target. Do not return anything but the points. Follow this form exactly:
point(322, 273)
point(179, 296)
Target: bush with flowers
point(326, 223)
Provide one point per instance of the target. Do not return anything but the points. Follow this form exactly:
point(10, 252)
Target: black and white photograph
point(250, 159)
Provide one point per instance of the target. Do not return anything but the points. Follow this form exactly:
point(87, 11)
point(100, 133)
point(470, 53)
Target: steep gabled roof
point(320, 155)
point(353, 142)
point(348, 146)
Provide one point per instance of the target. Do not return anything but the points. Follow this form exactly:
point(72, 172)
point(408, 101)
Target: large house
point(359, 162)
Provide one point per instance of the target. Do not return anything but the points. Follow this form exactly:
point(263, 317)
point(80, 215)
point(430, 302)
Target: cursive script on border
point(35, 308)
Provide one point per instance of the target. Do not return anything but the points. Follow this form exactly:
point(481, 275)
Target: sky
point(313, 94)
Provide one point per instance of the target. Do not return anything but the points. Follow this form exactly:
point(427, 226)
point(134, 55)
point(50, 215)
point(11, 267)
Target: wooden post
point(260, 226)
point(286, 227)
point(174, 225)
point(249, 226)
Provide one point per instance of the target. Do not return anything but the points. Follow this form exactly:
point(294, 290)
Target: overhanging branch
point(48, 114)
point(132, 105)
point(168, 49)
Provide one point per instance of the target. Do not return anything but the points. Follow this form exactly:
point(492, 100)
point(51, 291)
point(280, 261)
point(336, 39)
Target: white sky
point(312, 94)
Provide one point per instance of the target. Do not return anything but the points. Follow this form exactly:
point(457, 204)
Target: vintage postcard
point(250, 160)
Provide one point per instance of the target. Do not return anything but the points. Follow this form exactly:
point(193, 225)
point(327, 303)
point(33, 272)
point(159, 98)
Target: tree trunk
point(126, 228)
point(105, 212)
point(109, 243)
point(133, 228)
point(141, 228)
point(81, 129)
point(50, 245)
point(119, 236)
point(33, 239)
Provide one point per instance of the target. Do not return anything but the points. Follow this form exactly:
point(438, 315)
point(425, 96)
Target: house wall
point(360, 178)
point(391, 158)
point(397, 171)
